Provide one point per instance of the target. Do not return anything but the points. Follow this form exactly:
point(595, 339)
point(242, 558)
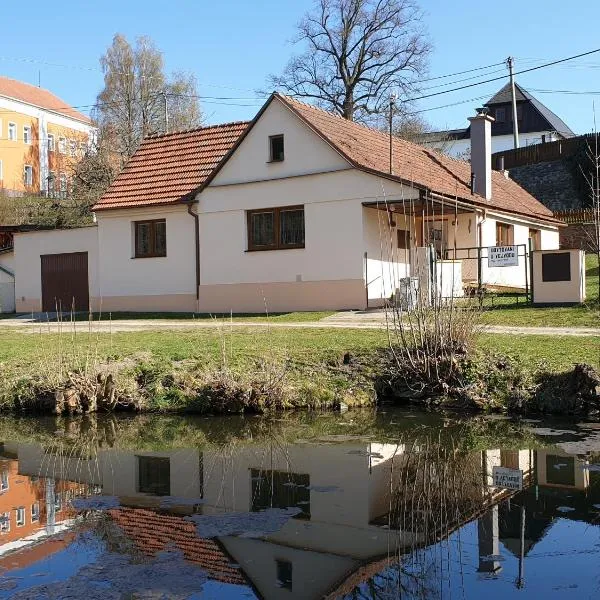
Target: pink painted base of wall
point(283, 297)
point(158, 303)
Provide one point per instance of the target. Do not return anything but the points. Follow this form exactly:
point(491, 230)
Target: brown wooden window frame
point(510, 231)
point(277, 245)
point(152, 253)
point(273, 138)
point(403, 239)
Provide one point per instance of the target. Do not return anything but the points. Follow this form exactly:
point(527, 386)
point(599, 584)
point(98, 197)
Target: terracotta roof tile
point(168, 167)
point(153, 532)
point(17, 90)
point(368, 149)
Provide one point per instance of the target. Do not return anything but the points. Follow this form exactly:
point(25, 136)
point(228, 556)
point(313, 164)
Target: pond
point(361, 505)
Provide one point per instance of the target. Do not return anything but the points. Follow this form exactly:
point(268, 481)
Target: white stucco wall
point(30, 246)
point(462, 148)
point(161, 283)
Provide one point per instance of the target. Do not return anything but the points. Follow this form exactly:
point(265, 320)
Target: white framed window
point(28, 175)
point(50, 143)
point(12, 132)
point(51, 182)
point(82, 148)
point(72, 147)
point(20, 516)
point(4, 522)
point(35, 512)
point(27, 135)
point(57, 503)
point(4, 480)
point(62, 145)
point(63, 183)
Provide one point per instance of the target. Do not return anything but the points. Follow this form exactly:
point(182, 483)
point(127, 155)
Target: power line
point(463, 72)
point(529, 70)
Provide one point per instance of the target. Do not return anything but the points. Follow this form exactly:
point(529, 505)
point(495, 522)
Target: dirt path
point(345, 320)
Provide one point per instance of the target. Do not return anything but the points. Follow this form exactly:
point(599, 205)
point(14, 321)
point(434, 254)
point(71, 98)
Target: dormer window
point(276, 148)
point(500, 115)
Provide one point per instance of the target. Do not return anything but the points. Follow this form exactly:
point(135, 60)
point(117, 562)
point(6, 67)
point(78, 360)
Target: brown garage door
point(65, 282)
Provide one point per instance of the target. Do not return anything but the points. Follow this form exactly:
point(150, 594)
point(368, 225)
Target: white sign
point(509, 479)
point(503, 256)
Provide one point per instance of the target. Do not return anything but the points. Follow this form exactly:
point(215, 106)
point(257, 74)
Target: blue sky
point(232, 45)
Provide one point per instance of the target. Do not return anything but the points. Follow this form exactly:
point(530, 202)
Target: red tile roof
point(166, 168)
point(17, 90)
point(153, 532)
point(368, 149)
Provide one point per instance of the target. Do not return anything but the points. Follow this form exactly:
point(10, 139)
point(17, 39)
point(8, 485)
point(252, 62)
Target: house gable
point(305, 153)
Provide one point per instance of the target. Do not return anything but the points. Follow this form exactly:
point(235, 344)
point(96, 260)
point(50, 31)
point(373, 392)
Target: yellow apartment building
point(41, 139)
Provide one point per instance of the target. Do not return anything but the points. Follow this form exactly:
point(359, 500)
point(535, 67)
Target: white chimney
point(481, 154)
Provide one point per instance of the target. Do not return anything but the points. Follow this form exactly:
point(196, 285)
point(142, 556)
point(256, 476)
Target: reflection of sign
point(503, 256)
point(509, 479)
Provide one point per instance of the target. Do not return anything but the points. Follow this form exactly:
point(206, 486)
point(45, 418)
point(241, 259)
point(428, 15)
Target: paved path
point(343, 320)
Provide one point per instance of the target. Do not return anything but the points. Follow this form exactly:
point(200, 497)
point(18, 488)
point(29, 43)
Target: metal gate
point(477, 279)
point(65, 285)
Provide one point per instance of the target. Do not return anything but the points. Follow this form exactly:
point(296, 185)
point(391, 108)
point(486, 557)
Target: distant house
point(41, 139)
point(537, 124)
point(297, 210)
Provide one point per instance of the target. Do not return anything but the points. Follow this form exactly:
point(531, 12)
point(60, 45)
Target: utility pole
point(510, 61)
point(391, 124)
point(165, 98)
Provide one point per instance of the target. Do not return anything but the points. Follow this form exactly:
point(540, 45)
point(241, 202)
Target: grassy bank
point(257, 367)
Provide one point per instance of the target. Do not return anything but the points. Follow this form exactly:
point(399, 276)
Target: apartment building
point(41, 139)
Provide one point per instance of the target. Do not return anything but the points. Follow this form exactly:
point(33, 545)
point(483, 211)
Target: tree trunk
point(348, 108)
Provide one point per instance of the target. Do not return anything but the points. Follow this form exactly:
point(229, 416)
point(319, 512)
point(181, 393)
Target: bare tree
point(357, 53)
point(138, 99)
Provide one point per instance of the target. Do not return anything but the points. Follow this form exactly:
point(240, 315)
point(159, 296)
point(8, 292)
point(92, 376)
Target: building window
point(62, 178)
point(4, 481)
point(150, 238)
point(62, 145)
point(505, 234)
point(50, 143)
point(276, 148)
point(27, 135)
point(58, 503)
point(280, 489)
point(284, 574)
point(72, 147)
point(535, 237)
point(28, 175)
point(500, 115)
point(276, 228)
point(4, 522)
point(20, 516)
point(154, 475)
point(35, 512)
point(82, 148)
point(12, 132)
point(403, 239)
point(51, 183)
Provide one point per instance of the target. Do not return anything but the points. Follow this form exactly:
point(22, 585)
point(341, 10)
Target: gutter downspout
point(197, 248)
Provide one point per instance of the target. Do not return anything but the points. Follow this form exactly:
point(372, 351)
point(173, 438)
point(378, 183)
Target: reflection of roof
point(24, 92)
point(166, 168)
point(153, 532)
point(555, 123)
point(34, 553)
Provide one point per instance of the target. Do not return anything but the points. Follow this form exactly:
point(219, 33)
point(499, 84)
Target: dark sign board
point(556, 267)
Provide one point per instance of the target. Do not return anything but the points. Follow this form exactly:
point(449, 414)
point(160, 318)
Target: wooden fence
point(575, 216)
point(536, 153)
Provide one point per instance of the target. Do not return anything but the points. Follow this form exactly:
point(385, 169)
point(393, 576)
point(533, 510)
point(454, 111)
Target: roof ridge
point(155, 136)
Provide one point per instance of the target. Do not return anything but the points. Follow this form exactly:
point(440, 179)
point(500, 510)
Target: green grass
point(27, 353)
point(505, 310)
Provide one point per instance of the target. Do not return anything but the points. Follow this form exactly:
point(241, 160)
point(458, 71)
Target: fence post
point(525, 264)
point(531, 270)
point(366, 282)
point(479, 276)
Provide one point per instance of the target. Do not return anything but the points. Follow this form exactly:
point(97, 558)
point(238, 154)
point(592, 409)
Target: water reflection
point(411, 512)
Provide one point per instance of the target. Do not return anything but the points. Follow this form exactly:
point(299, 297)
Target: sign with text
point(503, 256)
point(508, 479)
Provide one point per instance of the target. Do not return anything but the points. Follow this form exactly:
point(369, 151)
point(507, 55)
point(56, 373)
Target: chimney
point(481, 153)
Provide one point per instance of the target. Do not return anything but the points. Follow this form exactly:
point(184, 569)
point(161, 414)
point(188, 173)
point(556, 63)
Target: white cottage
point(297, 210)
